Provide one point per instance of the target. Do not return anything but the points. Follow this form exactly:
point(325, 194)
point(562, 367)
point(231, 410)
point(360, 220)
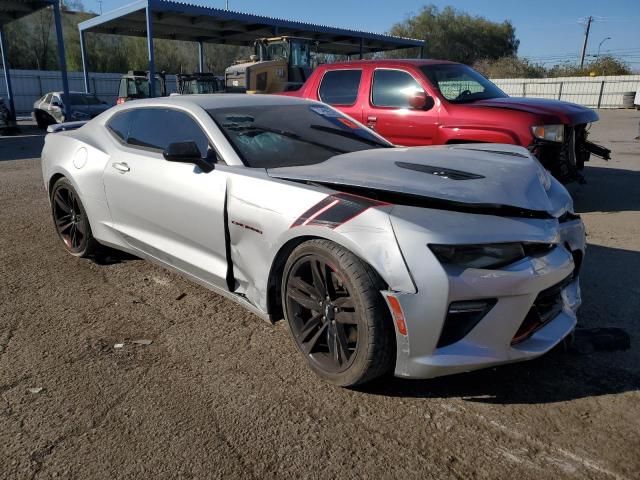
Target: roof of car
point(218, 100)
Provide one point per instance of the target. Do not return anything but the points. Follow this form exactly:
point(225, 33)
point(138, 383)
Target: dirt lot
point(220, 393)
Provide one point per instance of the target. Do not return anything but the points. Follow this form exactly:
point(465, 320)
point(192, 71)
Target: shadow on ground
point(611, 298)
point(25, 144)
point(621, 190)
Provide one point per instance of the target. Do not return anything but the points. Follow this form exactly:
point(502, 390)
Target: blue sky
point(549, 31)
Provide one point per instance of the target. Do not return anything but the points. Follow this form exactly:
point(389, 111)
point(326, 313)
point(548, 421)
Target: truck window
point(340, 87)
point(393, 88)
point(460, 84)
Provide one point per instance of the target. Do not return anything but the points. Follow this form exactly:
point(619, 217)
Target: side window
point(340, 87)
point(156, 128)
point(122, 90)
point(47, 97)
point(119, 125)
point(393, 88)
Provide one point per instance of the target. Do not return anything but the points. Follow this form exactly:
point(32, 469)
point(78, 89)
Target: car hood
point(549, 110)
point(490, 177)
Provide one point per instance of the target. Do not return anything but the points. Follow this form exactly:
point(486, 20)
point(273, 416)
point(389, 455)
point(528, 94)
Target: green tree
point(604, 65)
point(509, 67)
point(451, 34)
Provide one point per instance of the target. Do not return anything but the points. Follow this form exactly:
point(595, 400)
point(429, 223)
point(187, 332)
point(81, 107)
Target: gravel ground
point(220, 393)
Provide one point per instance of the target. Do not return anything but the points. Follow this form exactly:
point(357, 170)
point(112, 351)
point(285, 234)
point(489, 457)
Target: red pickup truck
point(434, 102)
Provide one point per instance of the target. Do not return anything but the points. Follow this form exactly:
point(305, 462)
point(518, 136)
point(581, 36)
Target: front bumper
point(515, 289)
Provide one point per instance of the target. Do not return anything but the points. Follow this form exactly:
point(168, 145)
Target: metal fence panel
point(594, 92)
point(29, 85)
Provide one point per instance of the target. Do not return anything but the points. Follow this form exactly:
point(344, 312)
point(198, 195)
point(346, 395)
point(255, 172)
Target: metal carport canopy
point(11, 10)
point(183, 21)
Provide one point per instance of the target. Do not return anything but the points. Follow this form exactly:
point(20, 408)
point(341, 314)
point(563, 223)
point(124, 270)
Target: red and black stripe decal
point(334, 210)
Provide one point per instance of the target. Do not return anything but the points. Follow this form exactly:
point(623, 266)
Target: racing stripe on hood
point(334, 210)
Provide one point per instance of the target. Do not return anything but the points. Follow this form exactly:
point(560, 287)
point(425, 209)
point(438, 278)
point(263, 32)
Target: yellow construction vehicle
point(278, 64)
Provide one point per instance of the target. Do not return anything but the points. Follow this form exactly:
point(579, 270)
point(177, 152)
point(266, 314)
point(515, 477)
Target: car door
point(390, 114)
point(340, 89)
point(55, 108)
point(171, 211)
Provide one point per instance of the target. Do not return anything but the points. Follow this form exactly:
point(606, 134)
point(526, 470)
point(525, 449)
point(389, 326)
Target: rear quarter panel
point(76, 156)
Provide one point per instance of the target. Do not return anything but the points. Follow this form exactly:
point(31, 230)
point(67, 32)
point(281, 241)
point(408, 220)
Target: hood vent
point(449, 173)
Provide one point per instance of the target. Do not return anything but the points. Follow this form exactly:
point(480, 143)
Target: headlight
point(551, 133)
point(494, 255)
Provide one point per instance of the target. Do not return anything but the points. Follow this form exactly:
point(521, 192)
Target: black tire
point(41, 121)
point(347, 336)
point(71, 221)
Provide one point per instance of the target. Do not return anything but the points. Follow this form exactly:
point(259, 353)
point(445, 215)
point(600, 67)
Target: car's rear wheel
point(336, 313)
point(42, 120)
point(70, 219)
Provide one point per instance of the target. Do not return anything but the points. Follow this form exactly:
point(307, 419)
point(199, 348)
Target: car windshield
point(461, 84)
point(79, 99)
point(288, 135)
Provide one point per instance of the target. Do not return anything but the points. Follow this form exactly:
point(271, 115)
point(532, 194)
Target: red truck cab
point(435, 102)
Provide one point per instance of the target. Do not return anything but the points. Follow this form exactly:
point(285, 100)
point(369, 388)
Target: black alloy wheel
point(71, 220)
point(324, 319)
point(336, 313)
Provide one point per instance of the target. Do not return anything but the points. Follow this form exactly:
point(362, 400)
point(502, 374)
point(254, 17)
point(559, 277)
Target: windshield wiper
point(295, 136)
point(352, 135)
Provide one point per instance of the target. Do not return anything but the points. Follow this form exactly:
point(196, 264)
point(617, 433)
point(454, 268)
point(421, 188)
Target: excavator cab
point(135, 84)
point(279, 64)
point(198, 83)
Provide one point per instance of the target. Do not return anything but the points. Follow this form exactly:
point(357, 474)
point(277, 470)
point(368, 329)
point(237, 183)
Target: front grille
point(546, 306)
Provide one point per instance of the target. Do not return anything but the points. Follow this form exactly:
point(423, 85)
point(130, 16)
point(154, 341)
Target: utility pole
point(586, 39)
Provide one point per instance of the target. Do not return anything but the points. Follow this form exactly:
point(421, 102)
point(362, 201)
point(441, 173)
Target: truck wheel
point(336, 314)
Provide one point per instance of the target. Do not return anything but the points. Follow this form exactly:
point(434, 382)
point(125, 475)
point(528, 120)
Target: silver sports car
point(422, 261)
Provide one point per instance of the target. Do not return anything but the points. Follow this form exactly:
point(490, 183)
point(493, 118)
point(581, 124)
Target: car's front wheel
point(336, 313)
point(70, 219)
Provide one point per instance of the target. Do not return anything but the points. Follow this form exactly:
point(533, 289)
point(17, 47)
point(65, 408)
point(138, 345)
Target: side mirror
point(187, 152)
point(421, 101)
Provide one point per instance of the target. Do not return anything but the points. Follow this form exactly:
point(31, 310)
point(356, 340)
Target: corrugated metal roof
point(186, 21)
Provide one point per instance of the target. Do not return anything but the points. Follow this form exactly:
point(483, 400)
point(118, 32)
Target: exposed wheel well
point(274, 293)
point(53, 180)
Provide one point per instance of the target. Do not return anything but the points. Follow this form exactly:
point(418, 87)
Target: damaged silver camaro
point(421, 261)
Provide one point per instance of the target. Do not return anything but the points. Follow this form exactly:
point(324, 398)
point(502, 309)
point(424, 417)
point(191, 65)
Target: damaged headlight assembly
point(550, 133)
point(487, 256)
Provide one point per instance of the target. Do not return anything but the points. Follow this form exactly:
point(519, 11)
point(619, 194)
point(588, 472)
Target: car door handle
point(122, 167)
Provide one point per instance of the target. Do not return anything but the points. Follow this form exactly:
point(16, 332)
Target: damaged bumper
point(566, 160)
point(529, 307)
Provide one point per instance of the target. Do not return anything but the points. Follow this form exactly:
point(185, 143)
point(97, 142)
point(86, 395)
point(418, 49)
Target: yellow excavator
point(279, 64)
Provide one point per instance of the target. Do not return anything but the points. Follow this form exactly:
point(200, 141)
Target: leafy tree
point(604, 65)
point(509, 67)
point(451, 34)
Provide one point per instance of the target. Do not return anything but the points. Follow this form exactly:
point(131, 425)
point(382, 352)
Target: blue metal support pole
point(85, 66)
point(7, 76)
point(200, 56)
point(361, 48)
point(422, 51)
point(62, 59)
point(152, 63)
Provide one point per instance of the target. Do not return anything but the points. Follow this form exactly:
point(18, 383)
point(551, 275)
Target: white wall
point(595, 92)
